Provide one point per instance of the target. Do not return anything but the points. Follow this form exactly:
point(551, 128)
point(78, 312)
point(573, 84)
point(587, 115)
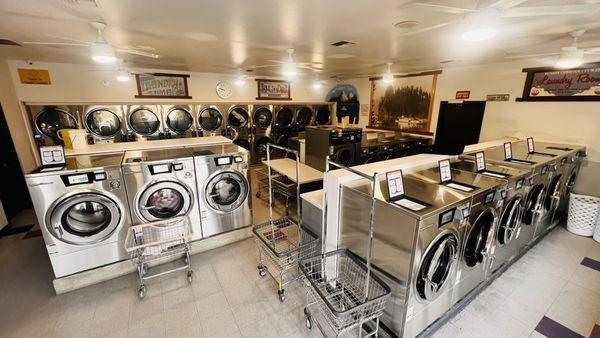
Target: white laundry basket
point(584, 212)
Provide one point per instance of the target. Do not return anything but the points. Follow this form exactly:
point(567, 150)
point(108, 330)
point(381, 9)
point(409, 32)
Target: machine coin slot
point(223, 160)
point(519, 183)
point(238, 159)
point(159, 169)
point(446, 217)
point(177, 166)
point(489, 197)
point(100, 176)
point(70, 180)
point(507, 151)
point(480, 161)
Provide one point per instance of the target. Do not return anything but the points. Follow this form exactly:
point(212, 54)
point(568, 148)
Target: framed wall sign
point(463, 94)
point(405, 104)
point(273, 90)
point(162, 86)
point(34, 76)
point(552, 84)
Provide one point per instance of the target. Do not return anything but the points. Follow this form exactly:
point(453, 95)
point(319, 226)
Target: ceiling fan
point(569, 56)
point(101, 50)
point(289, 67)
point(480, 21)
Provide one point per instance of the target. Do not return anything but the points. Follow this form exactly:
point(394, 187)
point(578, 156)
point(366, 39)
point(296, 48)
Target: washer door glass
point(436, 266)
point(144, 121)
point(164, 199)
point(322, 115)
point(226, 191)
point(84, 218)
point(534, 203)
point(476, 245)
point(179, 120)
point(210, 119)
point(509, 221)
point(553, 195)
point(285, 116)
point(103, 122)
point(344, 157)
point(51, 120)
point(238, 118)
point(305, 116)
point(263, 117)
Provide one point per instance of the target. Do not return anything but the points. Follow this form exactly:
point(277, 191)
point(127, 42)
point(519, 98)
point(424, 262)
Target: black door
point(14, 194)
point(459, 124)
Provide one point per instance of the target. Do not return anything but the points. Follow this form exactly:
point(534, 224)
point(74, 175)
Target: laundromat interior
point(408, 168)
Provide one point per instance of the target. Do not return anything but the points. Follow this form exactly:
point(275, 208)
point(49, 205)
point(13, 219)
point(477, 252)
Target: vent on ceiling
point(343, 43)
point(7, 42)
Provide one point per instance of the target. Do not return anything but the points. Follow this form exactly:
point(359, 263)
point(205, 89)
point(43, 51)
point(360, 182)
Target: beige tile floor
point(228, 299)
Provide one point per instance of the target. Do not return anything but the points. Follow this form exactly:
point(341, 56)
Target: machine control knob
point(115, 184)
point(187, 174)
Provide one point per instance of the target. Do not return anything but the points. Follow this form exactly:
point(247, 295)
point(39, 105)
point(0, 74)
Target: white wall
point(568, 122)
point(81, 83)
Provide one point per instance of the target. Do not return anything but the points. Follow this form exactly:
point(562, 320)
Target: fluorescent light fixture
point(570, 57)
point(123, 76)
point(388, 77)
point(289, 69)
point(103, 53)
point(479, 34)
point(317, 85)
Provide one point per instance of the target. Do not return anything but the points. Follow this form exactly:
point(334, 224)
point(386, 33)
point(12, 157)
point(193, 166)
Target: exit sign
point(463, 94)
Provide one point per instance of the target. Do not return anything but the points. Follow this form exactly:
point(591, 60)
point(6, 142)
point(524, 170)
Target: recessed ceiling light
point(479, 34)
point(406, 24)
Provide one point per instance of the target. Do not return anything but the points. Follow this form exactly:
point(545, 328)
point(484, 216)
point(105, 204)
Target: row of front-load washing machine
point(85, 207)
point(440, 241)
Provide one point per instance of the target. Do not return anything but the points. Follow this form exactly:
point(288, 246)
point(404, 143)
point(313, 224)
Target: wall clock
point(224, 90)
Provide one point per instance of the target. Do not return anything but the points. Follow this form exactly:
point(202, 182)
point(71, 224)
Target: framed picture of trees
point(405, 104)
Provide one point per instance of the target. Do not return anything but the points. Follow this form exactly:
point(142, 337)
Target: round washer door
point(554, 189)
point(210, 119)
point(510, 219)
point(164, 199)
point(344, 157)
point(304, 116)
point(238, 118)
point(52, 119)
point(103, 122)
point(263, 117)
point(284, 117)
point(84, 218)
point(144, 121)
point(534, 203)
point(179, 120)
point(436, 267)
point(476, 242)
point(225, 191)
point(322, 115)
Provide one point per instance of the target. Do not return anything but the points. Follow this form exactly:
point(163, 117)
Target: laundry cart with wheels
point(152, 245)
point(282, 243)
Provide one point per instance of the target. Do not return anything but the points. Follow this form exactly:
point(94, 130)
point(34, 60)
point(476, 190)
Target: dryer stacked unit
point(262, 120)
point(238, 125)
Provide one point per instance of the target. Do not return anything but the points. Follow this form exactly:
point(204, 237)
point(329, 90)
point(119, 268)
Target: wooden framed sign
point(552, 84)
point(273, 90)
point(162, 86)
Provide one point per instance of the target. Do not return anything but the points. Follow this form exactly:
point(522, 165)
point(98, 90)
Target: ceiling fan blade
point(527, 56)
point(68, 39)
point(276, 61)
point(506, 4)
point(137, 52)
point(550, 10)
point(54, 43)
point(430, 28)
point(445, 9)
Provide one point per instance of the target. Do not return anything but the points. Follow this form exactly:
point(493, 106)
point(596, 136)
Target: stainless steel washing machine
point(105, 123)
point(161, 184)
point(178, 121)
point(145, 121)
point(305, 116)
point(223, 184)
point(47, 120)
point(83, 212)
point(416, 246)
point(210, 119)
point(504, 247)
point(477, 234)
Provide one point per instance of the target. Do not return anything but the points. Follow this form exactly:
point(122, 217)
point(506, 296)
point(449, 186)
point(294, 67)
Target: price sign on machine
point(530, 145)
point(395, 184)
point(445, 171)
point(507, 151)
point(480, 161)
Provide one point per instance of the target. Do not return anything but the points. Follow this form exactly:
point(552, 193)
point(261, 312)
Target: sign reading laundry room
point(551, 84)
point(273, 90)
point(162, 86)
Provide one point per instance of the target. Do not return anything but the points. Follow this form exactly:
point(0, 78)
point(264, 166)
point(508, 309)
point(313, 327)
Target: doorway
point(459, 124)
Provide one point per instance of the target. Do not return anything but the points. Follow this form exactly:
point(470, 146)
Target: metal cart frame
point(156, 243)
point(343, 296)
point(282, 243)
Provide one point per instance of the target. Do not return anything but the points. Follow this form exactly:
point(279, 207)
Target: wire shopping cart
point(343, 296)
point(159, 242)
point(282, 243)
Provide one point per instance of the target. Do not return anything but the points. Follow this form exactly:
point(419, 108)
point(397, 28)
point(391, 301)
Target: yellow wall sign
point(34, 76)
